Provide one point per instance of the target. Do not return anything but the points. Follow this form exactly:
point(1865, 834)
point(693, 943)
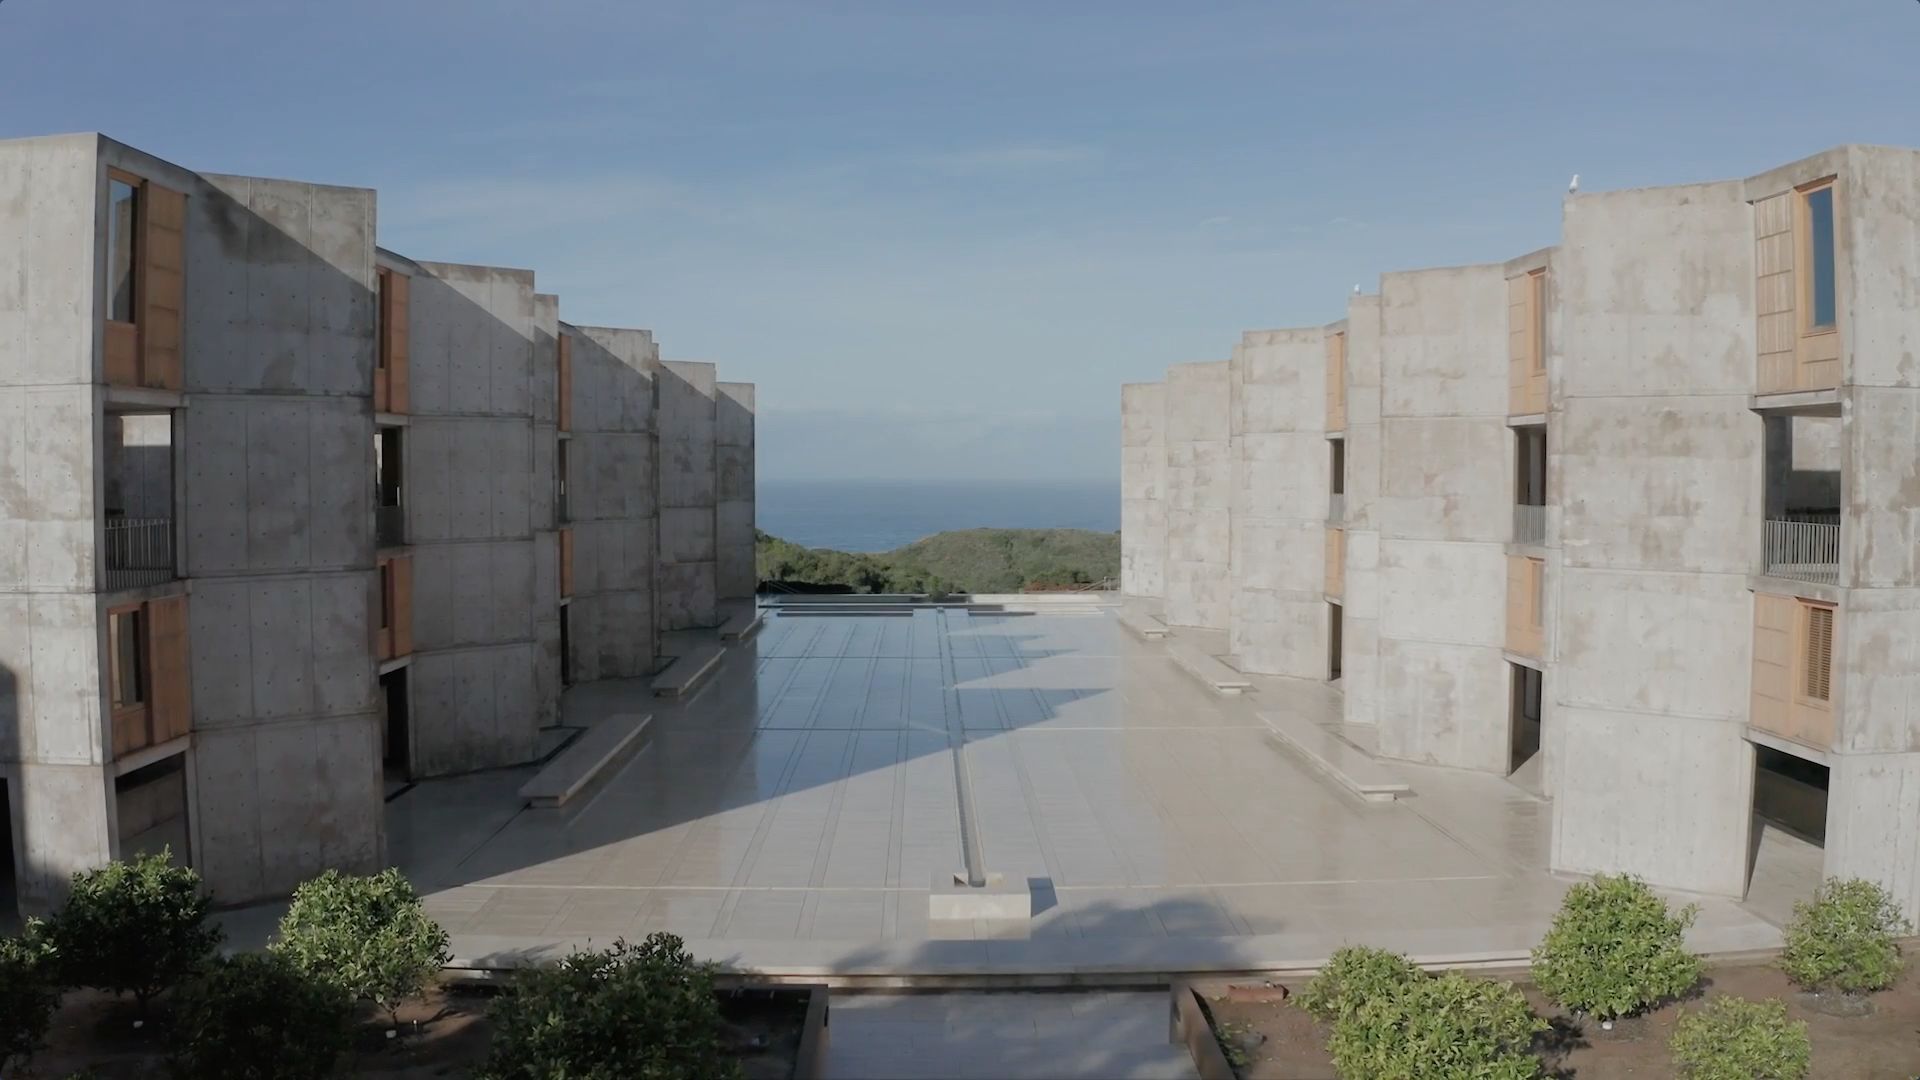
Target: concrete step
point(687, 669)
point(585, 758)
point(1206, 667)
point(1338, 758)
point(1143, 624)
point(742, 622)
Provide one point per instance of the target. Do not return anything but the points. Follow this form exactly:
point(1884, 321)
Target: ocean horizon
point(881, 515)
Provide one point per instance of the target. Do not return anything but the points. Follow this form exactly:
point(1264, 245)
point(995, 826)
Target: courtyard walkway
point(791, 816)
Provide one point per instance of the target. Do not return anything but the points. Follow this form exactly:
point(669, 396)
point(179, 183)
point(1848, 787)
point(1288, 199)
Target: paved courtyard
point(791, 816)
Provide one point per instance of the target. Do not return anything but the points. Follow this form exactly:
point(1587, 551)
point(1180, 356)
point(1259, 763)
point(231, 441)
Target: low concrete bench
point(741, 623)
point(687, 669)
point(585, 758)
point(1328, 752)
point(1143, 624)
point(1208, 668)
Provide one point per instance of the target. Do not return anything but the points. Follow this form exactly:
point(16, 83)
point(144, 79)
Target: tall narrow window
point(386, 595)
point(126, 664)
point(1817, 679)
point(123, 200)
point(1822, 305)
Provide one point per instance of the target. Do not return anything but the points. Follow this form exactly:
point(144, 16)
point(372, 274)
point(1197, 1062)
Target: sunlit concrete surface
point(1002, 1036)
point(791, 815)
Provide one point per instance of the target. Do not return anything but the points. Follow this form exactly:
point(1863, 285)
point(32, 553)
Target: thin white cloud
point(1215, 221)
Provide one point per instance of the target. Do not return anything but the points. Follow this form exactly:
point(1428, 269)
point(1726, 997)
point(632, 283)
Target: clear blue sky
point(940, 235)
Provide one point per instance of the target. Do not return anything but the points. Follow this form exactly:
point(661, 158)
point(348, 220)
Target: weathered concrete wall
point(1281, 478)
point(1199, 585)
point(614, 502)
point(688, 491)
point(1143, 489)
point(470, 468)
point(1360, 600)
point(277, 452)
point(734, 508)
point(1658, 463)
point(544, 496)
point(1443, 513)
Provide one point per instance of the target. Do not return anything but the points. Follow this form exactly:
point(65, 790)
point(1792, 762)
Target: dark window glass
point(1820, 245)
point(129, 682)
point(122, 203)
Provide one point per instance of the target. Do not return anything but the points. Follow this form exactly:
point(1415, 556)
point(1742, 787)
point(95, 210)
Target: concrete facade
point(1199, 399)
point(218, 614)
point(1143, 489)
point(689, 495)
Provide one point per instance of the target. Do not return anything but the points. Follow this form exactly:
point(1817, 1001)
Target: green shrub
point(255, 1016)
point(1735, 1039)
point(632, 1012)
point(29, 994)
point(367, 935)
point(1844, 939)
point(1615, 949)
point(1353, 975)
point(1446, 1027)
point(137, 927)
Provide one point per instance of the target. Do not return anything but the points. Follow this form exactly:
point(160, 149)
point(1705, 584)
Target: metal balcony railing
point(1529, 524)
point(1337, 506)
point(1803, 550)
point(389, 525)
point(139, 552)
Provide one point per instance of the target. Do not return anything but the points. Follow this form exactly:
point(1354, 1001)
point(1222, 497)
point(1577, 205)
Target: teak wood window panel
point(1793, 650)
point(144, 349)
point(149, 683)
point(563, 361)
point(393, 636)
point(1798, 249)
point(1337, 381)
point(1527, 343)
point(391, 353)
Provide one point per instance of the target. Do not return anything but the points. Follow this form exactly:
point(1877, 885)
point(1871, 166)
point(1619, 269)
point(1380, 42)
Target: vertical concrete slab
point(1443, 514)
point(1281, 479)
point(688, 491)
point(471, 469)
point(614, 497)
point(1143, 489)
point(1360, 600)
point(1658, 478)
point(1199, 496)
point(734, 476)
point(544, 507)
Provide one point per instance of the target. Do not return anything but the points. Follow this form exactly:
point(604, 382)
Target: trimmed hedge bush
point(1445, 1027)
point(1732, 1038)
point(1615, 949)
point(136, 927)
point(367, 935)
point(255, 1016)
point(1353, 975)
point(1843, 939)
point(631, 1012)
point(29, 993)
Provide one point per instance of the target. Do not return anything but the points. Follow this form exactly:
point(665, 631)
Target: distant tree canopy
point(968, 561)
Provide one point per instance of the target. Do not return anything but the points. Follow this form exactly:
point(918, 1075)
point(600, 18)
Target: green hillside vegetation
point(965, 561)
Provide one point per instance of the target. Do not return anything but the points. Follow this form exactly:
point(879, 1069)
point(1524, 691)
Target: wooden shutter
point(1337, 381)
point(1816, 682)
point(564, 406)
point(1774, 294)
point(395, 291)
point(1526, 605)
point(1336, 562)
point(161, 289)
point(1771, 708)
point(400, 603)
point(132, 724)
point(171, 686)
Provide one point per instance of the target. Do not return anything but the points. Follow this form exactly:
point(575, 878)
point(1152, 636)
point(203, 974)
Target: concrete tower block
point(614, 496)
point(689, 488)
point(544, 492)
point(734, 508)
point(1143, 489)
point(1199, 495)
point(1360, 600)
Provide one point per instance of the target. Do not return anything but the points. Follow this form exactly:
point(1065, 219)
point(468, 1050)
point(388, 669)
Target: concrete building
point(286, 519)
point(1630, 519)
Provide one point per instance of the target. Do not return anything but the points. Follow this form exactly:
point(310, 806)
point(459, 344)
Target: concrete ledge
point(1339, 759)
point(1215, 675)
point(688, 669)
point(741, 624)
point(1143, 625)
point(584, 759)
point(1000, 898)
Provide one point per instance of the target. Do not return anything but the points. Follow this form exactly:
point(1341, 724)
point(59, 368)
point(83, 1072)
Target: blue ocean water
point(880, 515)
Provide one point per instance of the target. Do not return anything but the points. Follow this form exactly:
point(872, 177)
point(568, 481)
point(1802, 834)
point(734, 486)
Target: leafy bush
point(136, 927)
point(1355, 974)
point(367, 935)
point(257, 1017)
point(29, 993)
point(1615, 949)
point(1844, 939)
point(1446, 1027)
point(632, 1012)
point(1735, 1039)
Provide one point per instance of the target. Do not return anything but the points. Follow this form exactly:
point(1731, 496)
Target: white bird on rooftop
point(1573, 185)
point(1356, 289)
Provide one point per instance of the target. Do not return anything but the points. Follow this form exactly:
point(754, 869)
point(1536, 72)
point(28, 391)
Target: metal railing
point(1337, 506)
point(1529, 524)
point(1803, 550)
point(139, 552)
point(390, 525)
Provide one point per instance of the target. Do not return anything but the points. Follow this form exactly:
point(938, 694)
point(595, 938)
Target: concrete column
point(543, 495)
point(1281, 479)
point(614, 503)
point(1360, 607)
point(688, 493)
point(1143, 489)
point(733, 513)
point(1199, 496)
